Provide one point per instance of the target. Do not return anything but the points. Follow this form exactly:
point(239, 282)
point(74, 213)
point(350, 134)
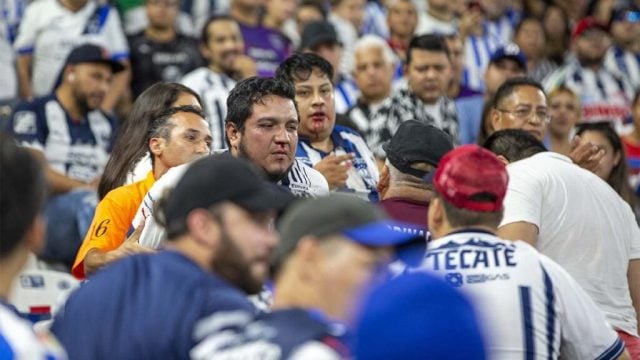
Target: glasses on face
point(525, 114)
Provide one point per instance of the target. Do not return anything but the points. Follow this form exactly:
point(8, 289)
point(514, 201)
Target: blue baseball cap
point(417, 316)
point(510, 51)
point(339, 214)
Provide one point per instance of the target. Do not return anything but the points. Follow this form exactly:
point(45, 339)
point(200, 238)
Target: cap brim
point(269, 197)
point(116, 66)
point(511, 57)
point(381, 234)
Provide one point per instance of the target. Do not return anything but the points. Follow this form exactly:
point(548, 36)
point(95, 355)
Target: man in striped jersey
point(530, 306)
point(222, 45)
point(624, 55)
point(261, 126)
point(605, 95)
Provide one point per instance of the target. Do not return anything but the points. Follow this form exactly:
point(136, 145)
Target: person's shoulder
point(341, 129)
point(136, 39)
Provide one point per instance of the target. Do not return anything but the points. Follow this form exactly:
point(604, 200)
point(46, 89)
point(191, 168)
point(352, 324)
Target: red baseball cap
point(470, 177)
point(585, 24)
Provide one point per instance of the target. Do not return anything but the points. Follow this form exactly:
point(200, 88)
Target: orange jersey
point(112, 220)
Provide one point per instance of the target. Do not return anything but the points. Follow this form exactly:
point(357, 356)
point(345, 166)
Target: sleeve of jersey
point(153, 234)
point(27, 127)
point(523, 201)
point(116, 41)
point(585, 333)
point(635, 238)
point(107, 232)
point(28, 30)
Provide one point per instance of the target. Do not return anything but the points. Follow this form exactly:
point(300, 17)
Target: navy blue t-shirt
point(144, 307)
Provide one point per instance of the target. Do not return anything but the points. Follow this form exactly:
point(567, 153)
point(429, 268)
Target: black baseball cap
point(216, 179)
point(316, 33)
point(90, 53)
point(415, 142)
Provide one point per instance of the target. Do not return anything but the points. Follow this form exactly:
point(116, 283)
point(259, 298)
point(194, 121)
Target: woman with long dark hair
point(129, 161)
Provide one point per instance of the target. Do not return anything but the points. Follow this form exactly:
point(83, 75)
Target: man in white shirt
point(529, 306)
point(579, 221)
point(48, 32)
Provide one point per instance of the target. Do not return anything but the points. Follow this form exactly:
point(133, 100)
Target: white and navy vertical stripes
point(213, 89)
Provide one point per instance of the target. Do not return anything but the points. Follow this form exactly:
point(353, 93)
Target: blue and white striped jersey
point(49, 32)
point(624, 62)
point(77, 148)
point(478, 49)
point(301, 180)
point(213, 89)
point(19, 341)
point(530, 306)
point(363, 175)
point(605, 95)
point(346, 94)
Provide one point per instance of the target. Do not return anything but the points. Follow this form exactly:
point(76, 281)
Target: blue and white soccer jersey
point(301, 180)
point(624, 62)
point(19, 341)
point(477, 53)
point(213, 89)
point(605, 95)
point(345, 94)
point(79, 150)
point(530, 306)
point(282, 334)
point(363, 174)
point(50, 31)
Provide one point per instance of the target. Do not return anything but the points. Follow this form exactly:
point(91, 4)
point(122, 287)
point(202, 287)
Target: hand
point(131, 245)
point(586, 155)
point(335, 169)
point(244, 67)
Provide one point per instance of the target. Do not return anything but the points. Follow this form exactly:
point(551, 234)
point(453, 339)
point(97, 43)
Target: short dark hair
point(22, 193)
point(509, 87)
point(161, 126)
point(299, 66)
point(429, 42)
point(252, 91)
point(514, 144)
point(204, 36)
point(459, 217)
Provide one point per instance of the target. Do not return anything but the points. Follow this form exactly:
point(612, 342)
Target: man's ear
point(308, 252)
point(233, 134)
point(156, 146)
point(496, 120)
point(34, 237)
point(435, 216)
point(503, 160)
point(202, 228)
point(383, 183)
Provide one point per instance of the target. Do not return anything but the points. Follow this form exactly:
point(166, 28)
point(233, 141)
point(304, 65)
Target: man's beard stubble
point(229, 264)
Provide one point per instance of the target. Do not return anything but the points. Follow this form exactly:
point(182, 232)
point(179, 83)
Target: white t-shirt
point(302, 181)
point(50, 31)
point(527, 303)
point(583, 225)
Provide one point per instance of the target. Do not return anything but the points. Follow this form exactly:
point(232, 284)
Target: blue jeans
point(69, 216)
